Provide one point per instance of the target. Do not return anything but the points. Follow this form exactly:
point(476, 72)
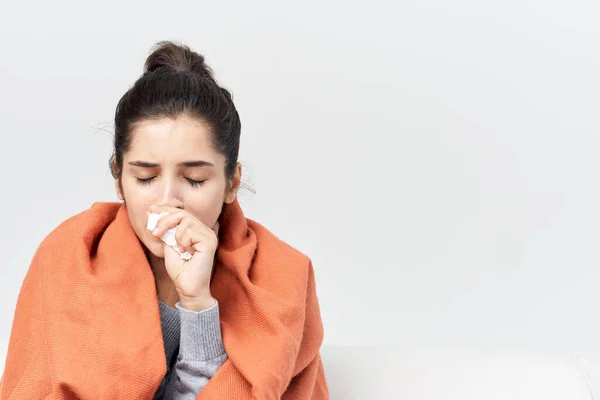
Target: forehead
point(171, 139)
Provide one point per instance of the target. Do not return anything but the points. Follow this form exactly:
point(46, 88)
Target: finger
point(174, 263)
point(191, 233)
point(198, 237)
point(167, 222)
point(192, 224)
point(182, 246)
point(185, 242)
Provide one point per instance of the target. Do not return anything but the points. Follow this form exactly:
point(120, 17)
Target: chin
point(154, 246)
point(157, 250)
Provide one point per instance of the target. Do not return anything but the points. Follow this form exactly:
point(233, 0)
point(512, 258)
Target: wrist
point(199, 303)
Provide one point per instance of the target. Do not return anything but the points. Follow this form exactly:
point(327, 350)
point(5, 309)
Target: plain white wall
point(437, 160)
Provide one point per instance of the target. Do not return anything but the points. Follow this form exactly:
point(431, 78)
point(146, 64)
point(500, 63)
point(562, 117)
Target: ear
point(234, 185)
point(118, 186)
point(118, 189)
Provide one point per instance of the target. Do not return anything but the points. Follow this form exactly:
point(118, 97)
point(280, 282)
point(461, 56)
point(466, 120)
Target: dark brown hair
point(176, 81)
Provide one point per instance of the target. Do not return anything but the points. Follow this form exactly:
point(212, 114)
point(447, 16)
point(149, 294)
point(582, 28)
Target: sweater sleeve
point(201, 353)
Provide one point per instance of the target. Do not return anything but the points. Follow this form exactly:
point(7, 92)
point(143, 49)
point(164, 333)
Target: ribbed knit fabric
point(201, 351)
point(206, 344)
point(171, 327)
point(87, 323)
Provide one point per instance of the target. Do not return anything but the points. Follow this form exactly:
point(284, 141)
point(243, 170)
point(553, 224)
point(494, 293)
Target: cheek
point(207, 208)
point(136, 209)
point(138, 198)
point(139, 220)
point(206, 213)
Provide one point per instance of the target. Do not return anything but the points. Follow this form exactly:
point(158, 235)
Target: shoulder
point(277, 258)
point(274, 244)
point(79, 226)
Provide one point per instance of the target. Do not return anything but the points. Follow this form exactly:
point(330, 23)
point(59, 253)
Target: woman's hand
point(192, 277)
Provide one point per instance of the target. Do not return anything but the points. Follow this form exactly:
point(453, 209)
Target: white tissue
point(169, 236)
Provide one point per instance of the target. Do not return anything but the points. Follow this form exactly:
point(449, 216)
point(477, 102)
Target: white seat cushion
point(382, 373)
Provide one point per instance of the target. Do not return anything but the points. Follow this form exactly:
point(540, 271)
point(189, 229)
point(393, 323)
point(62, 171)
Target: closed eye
point(147, 181)
point(195, 183)
point(144, 182)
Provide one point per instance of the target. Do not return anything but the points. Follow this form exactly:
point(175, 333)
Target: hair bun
point(174, 57)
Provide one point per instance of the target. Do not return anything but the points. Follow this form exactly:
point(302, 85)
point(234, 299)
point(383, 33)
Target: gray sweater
point(193, 349)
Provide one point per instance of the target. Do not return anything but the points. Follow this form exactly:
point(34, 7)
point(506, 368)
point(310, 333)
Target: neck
point(165, 288)
point(157, 265)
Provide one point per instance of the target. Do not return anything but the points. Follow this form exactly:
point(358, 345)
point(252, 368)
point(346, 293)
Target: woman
point(109, 309)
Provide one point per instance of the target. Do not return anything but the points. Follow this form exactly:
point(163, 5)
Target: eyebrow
point(197, 163)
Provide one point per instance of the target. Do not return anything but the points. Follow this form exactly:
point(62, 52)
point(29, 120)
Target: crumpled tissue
point(169, 236)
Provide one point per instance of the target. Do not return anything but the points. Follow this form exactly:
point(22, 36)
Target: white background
point(437, 160)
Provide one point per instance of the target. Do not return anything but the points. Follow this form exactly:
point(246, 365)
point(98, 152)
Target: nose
point(171, 194)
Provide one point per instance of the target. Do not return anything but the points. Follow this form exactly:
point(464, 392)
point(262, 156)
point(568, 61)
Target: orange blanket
point(87, 323)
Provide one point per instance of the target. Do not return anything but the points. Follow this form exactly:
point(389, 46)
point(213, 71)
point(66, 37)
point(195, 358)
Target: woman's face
point(171, 162)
